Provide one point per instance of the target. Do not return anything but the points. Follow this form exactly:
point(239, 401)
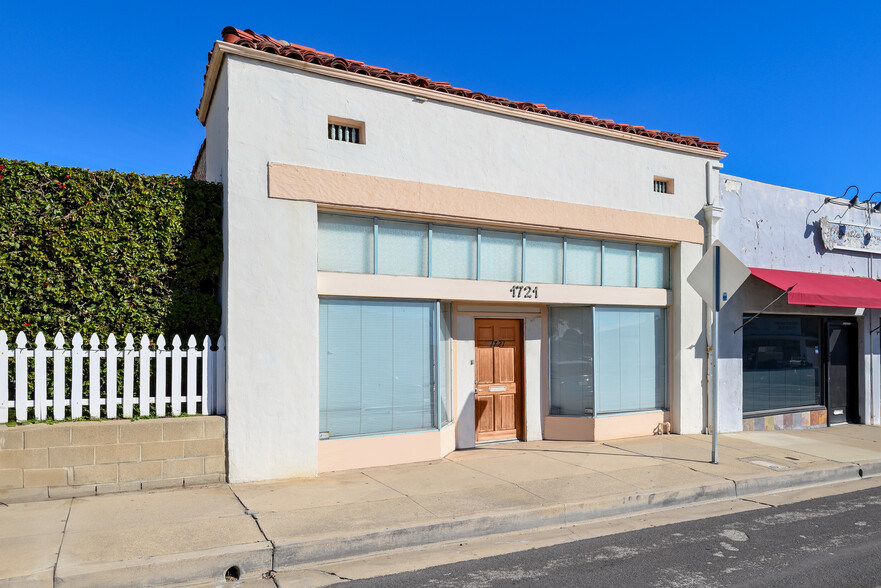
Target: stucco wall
point(40, 461)
point(270, 300)
point(775, 227)
point(272, 114)
point(444, 144)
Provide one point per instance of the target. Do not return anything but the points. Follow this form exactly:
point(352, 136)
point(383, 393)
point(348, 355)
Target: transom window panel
point(501, 256)
point(345, 243)
point(652, 270)
point(348, 243)
point(619, 264)
point(543, 259)
point(630, 359)
point(454, 252)
point(584, 262)
point(571, 360)
point(402, 248)
point(377, 366)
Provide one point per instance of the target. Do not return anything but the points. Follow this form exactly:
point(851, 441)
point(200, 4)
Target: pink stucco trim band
point(823, 289)
point(378, 195)
point(604, 428)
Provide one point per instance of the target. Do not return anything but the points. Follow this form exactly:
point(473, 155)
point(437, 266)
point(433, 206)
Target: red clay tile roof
point(248, 38)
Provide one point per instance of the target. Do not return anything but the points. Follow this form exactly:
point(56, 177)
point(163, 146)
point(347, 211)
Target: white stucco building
point(411, 268)
point(808, 357)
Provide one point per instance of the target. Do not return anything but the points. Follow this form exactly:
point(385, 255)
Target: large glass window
point(445, 363)
point(378, 366)
point(781, 363)
point(571, 361)
point(607, 360)
point(631, 359)
point(348, 243)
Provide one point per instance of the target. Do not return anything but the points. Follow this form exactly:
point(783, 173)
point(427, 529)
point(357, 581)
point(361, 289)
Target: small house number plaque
point(524, 292)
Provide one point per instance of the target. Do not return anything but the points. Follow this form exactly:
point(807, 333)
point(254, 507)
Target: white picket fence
point(178, 380)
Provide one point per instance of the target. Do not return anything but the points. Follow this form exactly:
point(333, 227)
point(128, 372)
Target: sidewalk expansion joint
point(61, 545)
point(407, 496)
point(253, 514)
point(504, 481)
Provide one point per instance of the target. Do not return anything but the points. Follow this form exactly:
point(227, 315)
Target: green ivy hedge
point(106, 251)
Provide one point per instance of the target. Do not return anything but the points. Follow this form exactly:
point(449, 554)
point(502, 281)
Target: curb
point(296, 553)
point(254, 559)
point(174, 569)
point(293, 554)
point(798, 479)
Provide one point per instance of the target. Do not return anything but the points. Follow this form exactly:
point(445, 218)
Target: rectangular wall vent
point(663, 185)
point(347, 131)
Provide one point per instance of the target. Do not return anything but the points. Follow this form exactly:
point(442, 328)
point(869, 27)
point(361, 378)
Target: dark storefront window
point(781, 363)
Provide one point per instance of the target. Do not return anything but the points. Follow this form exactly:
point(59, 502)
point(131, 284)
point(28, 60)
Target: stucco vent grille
point(663, 185)
point(347, 131)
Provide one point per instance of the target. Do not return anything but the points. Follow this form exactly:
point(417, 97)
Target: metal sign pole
point(716, 306)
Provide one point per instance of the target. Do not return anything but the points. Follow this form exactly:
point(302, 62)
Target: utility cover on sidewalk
point(732, 273)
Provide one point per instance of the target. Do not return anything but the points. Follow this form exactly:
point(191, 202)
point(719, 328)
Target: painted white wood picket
point(40, 377)
point(5, 404)
point(112, 400)
point(161, 396)
point(128, 377)
point(197, 382)
point(59, 403)
point(176, 358)
point(76, 376)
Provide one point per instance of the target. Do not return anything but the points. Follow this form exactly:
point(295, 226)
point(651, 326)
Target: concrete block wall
point(63, 460)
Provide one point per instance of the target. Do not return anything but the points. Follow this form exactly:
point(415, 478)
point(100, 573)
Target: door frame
point(520, 403)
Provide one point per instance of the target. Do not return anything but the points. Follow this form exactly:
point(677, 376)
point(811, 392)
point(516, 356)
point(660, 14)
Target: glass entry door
point(842, 399)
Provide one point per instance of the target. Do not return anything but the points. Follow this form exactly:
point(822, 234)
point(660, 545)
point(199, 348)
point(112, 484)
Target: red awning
point(823, 289)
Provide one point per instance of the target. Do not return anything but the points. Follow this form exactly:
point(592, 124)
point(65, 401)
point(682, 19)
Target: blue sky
point(791, 90)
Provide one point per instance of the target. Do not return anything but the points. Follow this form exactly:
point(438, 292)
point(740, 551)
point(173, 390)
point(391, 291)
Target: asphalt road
point(834, 541)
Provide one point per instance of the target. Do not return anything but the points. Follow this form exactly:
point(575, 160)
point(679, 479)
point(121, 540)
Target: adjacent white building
point(809, 356)
point(411, 268)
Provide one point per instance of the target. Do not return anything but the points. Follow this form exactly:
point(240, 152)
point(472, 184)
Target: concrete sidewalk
point(198, 534)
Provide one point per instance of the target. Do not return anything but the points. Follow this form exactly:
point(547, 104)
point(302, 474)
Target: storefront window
point(571, 361)
point(781, 363)
point(631, 359)
point(379, 366)
point(607, 360)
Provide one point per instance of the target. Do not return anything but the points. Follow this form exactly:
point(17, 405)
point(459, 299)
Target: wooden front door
point(498, 379)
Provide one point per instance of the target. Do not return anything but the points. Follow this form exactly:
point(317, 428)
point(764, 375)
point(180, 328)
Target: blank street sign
point(732, 274)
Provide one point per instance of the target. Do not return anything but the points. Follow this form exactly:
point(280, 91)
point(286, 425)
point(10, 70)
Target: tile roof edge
point(284, 53)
